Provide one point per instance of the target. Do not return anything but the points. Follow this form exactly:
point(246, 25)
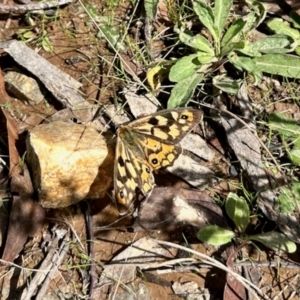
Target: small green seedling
point(238, 210)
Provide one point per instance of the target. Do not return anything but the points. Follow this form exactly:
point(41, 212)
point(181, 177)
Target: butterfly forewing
point(148, 144)
point(169, 126)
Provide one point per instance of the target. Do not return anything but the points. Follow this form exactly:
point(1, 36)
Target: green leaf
point(294, 156)
point(215, 235)
point(92, 10)
point(46, 44)
point(206, 58)
point(282, 27)
point(184, 68)
point(206, 17)
point(252, 21)
point(238, 211)
point(239, 46)
point(287, 127)
point(275, 240)
point(111, 34)
point(246, 63)
point(260, 11)
point(198, 42)
point(201, 43)
point(226, 85)
point(183, 90)
point(221, 13)
point(184, 35)
point(233, 33)
point(287, 200)
point(150, 8)
point(28, 35)
point(295, 19)
point(279, 64)
point(277, 43)
point(297, 142)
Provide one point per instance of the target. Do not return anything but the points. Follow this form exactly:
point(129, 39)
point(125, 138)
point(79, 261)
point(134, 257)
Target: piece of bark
point(195, 144)
point(140, 104)
point(64, 159)
point(247, 149)
point(117, 116)
point(61, 85)
point(191, 171)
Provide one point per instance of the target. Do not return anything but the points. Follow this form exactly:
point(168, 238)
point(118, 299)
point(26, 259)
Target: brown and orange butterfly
point(145, 145)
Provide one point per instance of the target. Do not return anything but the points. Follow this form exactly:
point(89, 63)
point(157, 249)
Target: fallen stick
point(20, 9)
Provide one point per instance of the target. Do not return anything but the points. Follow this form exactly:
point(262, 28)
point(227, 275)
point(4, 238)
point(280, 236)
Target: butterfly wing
point(148, 144)
point(163, 132)
point(159, 154)
point(168, 126)
point(132, 171)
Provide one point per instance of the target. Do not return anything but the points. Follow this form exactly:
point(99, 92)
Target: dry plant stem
point(21, 9)
point(8, 263)
point(136, 78)
point(47, 266)
point(8, 22)
point(196, 265)
point(288, 286)
point(248, 285)
point(248, 127)
point(91, 249)
point(58, 260)
point(119, 282)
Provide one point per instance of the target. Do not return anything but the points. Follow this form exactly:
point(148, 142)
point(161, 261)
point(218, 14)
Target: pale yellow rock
point(66, 160)
point(23, 87)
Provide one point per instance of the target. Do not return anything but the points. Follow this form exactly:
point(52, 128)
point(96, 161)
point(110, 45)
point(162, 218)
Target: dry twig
point(21, 9)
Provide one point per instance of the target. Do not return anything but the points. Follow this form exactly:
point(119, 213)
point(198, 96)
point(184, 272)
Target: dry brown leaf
point(234, 290)
point(12, 132)
point(26, 217)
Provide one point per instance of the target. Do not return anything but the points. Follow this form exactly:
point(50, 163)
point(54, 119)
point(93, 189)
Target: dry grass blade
point(206, 259)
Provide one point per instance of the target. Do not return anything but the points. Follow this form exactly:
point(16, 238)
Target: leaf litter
point(171, 212)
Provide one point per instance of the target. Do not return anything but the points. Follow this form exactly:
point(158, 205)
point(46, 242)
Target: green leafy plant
point(34, 35)
point(288, 130)
point(228, 43)
point(238, 211)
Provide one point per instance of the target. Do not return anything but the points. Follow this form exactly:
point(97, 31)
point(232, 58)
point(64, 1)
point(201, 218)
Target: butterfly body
point(148, 144)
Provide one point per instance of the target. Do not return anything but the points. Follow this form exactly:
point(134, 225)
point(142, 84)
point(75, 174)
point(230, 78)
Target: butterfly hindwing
point(131, 172)
point(148, 144)
point(160, 154)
